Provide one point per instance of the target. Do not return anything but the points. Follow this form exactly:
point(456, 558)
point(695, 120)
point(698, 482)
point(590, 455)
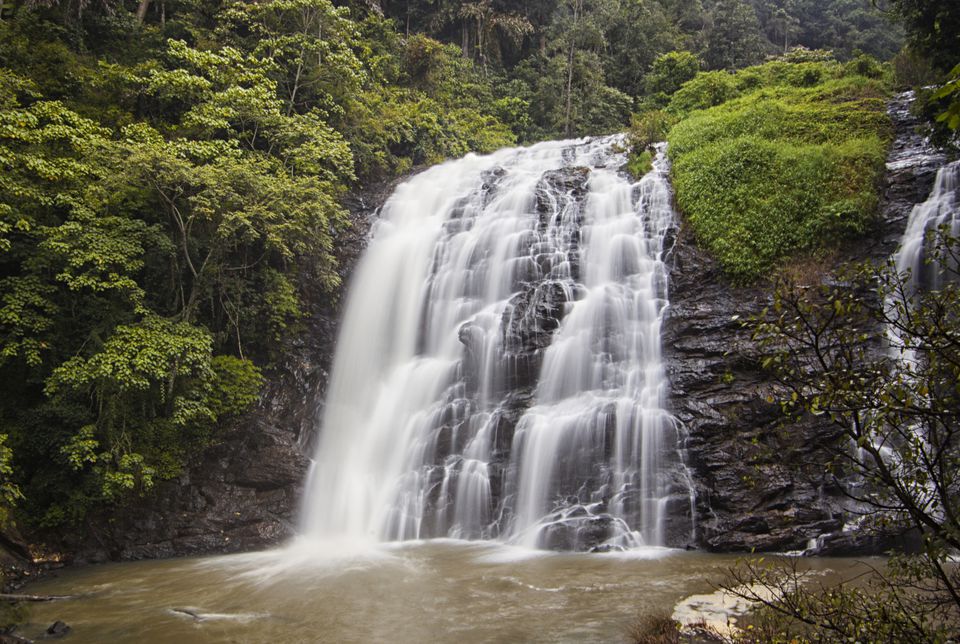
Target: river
point(427, 591)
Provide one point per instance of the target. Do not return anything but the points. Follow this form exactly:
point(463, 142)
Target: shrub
point(783, 169)
point(658, 628)
point(705, 90)
point(670, 71)
point(646, 129)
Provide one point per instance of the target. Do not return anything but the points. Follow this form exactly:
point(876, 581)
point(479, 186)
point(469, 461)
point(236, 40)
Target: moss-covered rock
point(783, 169)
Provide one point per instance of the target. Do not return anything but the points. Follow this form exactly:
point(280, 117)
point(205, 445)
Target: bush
point(783, 169)
point(649, 128)
point(646, 129)
point(670, 71)
point(654, 629)
point(705, 90)
point(912, 70)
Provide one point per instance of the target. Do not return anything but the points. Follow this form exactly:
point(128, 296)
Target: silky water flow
point(498, 374)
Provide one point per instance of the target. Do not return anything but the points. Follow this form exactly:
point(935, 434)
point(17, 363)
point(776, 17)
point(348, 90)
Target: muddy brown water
point(437, 591)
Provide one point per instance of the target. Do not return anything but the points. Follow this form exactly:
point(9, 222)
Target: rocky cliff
point(758, 479)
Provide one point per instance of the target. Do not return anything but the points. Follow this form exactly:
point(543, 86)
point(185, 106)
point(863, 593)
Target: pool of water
point(435, 591)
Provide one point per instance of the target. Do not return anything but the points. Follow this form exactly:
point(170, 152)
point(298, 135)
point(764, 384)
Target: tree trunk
point(573, 45)
point(142, 10)
point(481, 45)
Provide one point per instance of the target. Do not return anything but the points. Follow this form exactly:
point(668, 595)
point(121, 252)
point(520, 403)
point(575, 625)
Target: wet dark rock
point(758, 477)
point(559, 187)
point(533, 316)
point(606, 547)
point(13, 638)
point(585, 533)
point(851, 543)
point(56, 630)
point(701, 635)
point(572, 179)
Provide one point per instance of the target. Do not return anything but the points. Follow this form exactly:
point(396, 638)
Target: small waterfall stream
point(498, 373)
point(913, 257)
point(914, 153)
point(939, 210)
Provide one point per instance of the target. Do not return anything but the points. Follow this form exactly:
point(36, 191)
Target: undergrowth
point(789, 166)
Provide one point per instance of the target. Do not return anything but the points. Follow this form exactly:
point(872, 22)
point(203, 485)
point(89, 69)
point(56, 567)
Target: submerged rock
point(56, 630)
point(13, 638)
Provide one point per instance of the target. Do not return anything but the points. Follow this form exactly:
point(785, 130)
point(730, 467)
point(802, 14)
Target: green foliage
point(668, 73)
point(949, 95)
point(639, 34)
point(734, 39)
point(235, 385)
point(9, 490)
point(783, 169)
point(932, 27)
point(645, 130)
point(640, 163)
point(705, 90)
point(650, 127)
point(162, 204)
point(567, 82)
point(912, 70)
point(846, 28)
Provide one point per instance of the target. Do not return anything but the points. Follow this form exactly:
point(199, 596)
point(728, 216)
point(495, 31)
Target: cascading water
point(498, 374)
point(938, 211)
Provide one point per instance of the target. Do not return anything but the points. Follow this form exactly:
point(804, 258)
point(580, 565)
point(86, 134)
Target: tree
point(310, 46)
point(933, 28)
point(668, 73)
point(880, 361)
point(639, 32)
point(488, 22)
point(573, 71)
point(786, 26)
point(734, 40)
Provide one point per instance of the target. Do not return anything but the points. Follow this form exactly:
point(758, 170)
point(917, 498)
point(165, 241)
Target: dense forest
point(171, 175)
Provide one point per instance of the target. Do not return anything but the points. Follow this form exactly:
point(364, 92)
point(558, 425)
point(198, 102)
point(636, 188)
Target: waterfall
point(498, 372)
point(913, 258)
point(939, 210)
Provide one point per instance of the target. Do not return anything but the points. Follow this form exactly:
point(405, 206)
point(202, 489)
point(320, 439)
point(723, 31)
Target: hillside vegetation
point(788, 162)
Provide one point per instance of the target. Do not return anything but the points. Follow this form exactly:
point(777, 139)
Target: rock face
point(750, 492)
point(748, 495)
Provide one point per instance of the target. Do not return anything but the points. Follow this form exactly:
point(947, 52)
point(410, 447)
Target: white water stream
point(940, 210)
point(498, 373)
